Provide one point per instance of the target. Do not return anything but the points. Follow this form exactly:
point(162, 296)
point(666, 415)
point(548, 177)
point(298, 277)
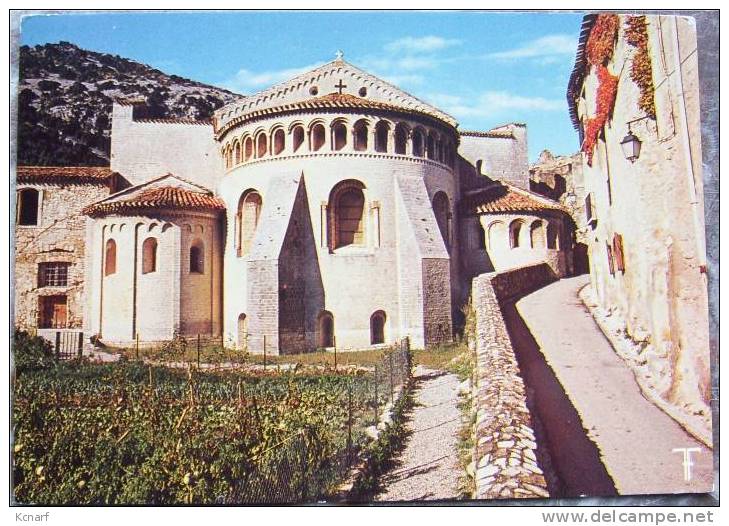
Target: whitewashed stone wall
point(502, 158)
point(656, 204)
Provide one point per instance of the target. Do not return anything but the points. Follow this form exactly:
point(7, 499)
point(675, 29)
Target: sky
point(483, 68)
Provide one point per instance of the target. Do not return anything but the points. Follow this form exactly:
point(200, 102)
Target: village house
point(633, 97)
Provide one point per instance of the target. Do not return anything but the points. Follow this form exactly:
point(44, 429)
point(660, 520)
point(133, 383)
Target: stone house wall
point(502, 158)
point(656, 205)
point(58, 237)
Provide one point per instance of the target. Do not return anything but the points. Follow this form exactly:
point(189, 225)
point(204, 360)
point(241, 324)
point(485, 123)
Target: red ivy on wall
point(599, 50)
point(641, 71)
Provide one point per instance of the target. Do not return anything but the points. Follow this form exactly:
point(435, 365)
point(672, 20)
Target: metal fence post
point(264, 352)
point(392, 385)
point(58, 344)
point(349, 423)
point(137, 343)
point(303, 466)
point(377, 402)
point(198, 350)
point(334, 341)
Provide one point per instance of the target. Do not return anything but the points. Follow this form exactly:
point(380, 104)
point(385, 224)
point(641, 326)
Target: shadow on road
point(574, 458)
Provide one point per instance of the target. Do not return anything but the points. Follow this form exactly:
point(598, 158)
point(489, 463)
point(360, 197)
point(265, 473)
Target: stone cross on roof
point(339, 54)
point(340, 86)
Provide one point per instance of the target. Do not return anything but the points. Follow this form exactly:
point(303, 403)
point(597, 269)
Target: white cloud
point(420, 44)
point(546, 46)
point(492, 103)
point(246, 80)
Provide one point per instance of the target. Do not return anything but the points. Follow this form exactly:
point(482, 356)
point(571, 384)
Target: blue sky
point(484, 68)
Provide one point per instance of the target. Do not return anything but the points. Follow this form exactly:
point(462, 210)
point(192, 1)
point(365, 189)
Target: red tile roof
point(78, 174)
point(160, 197)
point(501, 198)
point(332, 100)
point(494, 134)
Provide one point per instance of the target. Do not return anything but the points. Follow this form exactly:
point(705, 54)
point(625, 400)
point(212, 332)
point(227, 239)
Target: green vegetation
point(31, 352)
point(134, 434)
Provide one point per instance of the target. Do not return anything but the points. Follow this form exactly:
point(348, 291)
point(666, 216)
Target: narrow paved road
point(428, 467)
point(578, 378)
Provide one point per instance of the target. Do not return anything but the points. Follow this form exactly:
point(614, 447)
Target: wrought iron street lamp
point(631, 147)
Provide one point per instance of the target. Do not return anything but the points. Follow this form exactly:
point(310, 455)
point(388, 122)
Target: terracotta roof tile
point(85, 174)
point(503, 134)
point(160, 197)
point(501, 198)
point(332, 100)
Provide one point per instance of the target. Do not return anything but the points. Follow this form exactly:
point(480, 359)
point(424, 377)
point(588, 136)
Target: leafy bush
point(31, 352)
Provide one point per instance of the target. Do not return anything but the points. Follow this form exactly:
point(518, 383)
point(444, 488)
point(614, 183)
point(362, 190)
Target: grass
point(454, 358)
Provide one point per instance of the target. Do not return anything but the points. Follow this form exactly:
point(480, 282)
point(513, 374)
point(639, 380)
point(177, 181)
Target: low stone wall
point(505, 449)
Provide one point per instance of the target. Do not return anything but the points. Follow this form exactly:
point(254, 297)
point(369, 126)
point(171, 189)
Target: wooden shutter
point(618, 252)
point(611, 264)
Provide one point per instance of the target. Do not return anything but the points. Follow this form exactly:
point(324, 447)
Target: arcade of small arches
point(537, 234)
point(325, 335)
point(196, 248)
point(339, 135)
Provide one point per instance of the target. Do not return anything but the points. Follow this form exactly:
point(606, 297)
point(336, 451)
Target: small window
point(339, 136)
point(262, 146)
point(536, 234)
point(442, 210)
point(110, 258)
point(248, 149)
point(28, 200)
point(382, 130)
point(552, 236)
point(298, 137)
point(279, 141)
point(401, 139)
point(313, 91)
point(317, 137)
point(53, 274)
point(514, 234)
point(377, 328)
point(325, 337)
point(237, 153)
point(418, 143)
point(249, 211)
point(360, 136)
point(197, 258)
point(149, 255)
point(362, 91)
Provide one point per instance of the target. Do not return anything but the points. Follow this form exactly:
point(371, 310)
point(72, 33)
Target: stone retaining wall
point(505, 452)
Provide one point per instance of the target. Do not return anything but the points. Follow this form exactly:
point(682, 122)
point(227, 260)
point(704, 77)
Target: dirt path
point(600, 429)
point(428, 467)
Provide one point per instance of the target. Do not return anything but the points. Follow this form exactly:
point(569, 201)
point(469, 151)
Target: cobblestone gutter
point(505, 460)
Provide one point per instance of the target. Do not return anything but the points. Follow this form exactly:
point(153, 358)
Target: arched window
point(431, 146)
point(536, 234)
point(377, 327)
point(197, 257)
point(249, 211)
point(359, 136)
point(552, 236)
point(339, 136)
point(418, 143)
point(325, 330)
point(317, 137)
point(442, 210)
point(149, 255)
point(237, 153)
point(261, 145)
point(401, 139)
point(279, 141)
point(497, 235)
point(242, 332)
point(382, 132)
point(298, 136)
point(248, 149)
point(347, 215)
point(27, 213)
point(110, 258)
point(515, 233)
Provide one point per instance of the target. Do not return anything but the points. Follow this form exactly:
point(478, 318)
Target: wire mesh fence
point(302, 468)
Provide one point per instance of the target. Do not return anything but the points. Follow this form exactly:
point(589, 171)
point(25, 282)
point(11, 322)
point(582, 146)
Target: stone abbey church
point(331, 210)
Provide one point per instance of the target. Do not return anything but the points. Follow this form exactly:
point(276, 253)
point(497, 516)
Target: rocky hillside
point(65, 96)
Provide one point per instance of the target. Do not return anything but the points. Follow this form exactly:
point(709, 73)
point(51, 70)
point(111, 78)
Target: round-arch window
point(314, 91)
point(362, 91)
